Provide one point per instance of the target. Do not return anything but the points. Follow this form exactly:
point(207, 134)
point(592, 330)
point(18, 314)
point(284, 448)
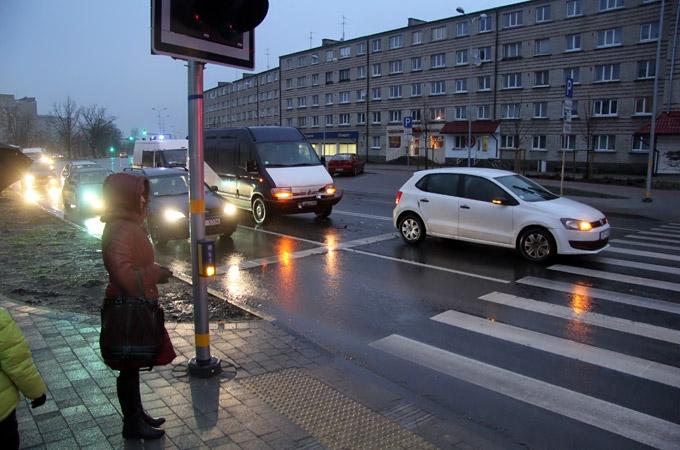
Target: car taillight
point(398, 199)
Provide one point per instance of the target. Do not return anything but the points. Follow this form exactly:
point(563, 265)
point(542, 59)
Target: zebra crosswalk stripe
point(657, 233)
point(640, 265)
point(630, 251)
point(653, 239)
point(631, 424)
point(612, 276)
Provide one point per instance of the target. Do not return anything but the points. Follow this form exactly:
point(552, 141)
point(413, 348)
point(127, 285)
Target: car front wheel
point(411, 229)
point(260, 213)
point(323, 213)
point(536, 244)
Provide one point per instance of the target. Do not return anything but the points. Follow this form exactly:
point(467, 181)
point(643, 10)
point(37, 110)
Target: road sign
point(408, 122)
point(566, 128)
point(569, 88)
point(568, 109)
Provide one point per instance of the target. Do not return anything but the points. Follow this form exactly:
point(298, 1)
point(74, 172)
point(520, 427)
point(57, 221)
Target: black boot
point(136, 428)
point(153, 421)
point(134, 425)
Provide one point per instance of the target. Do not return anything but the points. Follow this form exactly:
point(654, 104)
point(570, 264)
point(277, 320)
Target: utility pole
point(344, 21)
point(311, 36)
point(267, 53)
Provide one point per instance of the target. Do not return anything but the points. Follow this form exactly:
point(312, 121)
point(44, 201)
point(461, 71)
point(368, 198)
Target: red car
point(348, 163)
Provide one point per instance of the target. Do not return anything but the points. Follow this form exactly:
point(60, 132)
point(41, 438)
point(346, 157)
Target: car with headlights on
point(82, 191)
point(75, 165)
point(500, 208)
point(168, 217)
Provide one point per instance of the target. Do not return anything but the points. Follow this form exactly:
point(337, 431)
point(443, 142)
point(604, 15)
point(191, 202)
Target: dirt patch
point(47, 262)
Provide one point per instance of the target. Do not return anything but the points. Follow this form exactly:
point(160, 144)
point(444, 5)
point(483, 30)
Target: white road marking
point(274, 233)
point(612, 296)
point(669, 228)
point(639, 265)
point(656, 233)
point(608, 359)
point(428, 266)
point(653, 238)
point(671, 231)
point(631, 424)
point(644, 244)
point(639, 281)
point(599, 320)
point(363, 216)
point(630, 251)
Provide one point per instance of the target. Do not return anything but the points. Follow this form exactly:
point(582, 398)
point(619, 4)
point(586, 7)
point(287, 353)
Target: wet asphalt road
point(583, 352)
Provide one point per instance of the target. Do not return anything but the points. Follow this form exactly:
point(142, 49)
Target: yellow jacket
point(17, 371)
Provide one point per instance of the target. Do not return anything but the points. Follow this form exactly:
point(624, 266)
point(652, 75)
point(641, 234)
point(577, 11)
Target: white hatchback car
point(500, 208)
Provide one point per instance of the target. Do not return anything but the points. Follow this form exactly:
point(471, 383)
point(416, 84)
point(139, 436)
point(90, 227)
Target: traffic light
point(111, 149)
point(131, 138)
point(144, 132)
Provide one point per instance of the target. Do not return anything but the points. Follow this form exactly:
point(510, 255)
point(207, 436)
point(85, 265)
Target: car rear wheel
point(411, 229)
point(155, 235)
point(323, 213)
point(260, 213)
point(536, 244)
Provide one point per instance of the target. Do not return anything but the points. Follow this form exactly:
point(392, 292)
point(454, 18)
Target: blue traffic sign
point(408, 122)
point(569, 88)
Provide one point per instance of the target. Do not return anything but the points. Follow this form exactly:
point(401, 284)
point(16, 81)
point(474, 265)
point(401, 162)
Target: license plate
point(309, 203)
point(339, 169)
point(212, 221)
point(604, 234)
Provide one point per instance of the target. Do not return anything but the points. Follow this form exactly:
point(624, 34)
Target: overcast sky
point(98, 52)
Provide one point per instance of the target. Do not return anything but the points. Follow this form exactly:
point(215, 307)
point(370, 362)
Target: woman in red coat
point(129, 260)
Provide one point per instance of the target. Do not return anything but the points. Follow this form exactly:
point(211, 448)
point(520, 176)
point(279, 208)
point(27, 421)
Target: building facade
point(498, 75)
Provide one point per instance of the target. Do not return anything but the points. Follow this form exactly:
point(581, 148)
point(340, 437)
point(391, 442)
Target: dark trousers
point(9, 432)
point(127, 387)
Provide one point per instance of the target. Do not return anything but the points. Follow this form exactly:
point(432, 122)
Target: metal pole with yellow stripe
point(202, 252)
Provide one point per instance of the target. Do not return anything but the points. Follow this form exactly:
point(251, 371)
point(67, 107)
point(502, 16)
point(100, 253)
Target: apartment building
point(499, 73)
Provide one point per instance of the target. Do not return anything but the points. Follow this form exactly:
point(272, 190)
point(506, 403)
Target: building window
point(289, 103)
point(646, 69)
point(395, 66)
point(574, 109)
point(343, 119)
point(329, 120)
point(329, 77)
point(361, 95)
point(640, 143)
point(512, 19)
point(607, 5)
point(510, 110)
point(315, 59)
point(542, 47)
point(302, 121)
point(345, 52)
point(330, 56)
point(605, 108)
point(542, 13)
point(484, 54)
point(461, 57)
point(375, 141)
point(376, 45)
point(376, 70)
point(417, 37)
point(574, 8)
point(538, 142)
point(540, 110)
point(395, 41)
point(343, 75)
point(315, 100)
point(542, 78)
point(302, 102)
point(512, 80)
point(437, 114)
point(329, 98)
point(484, 83)
point(461, 85)
point(343, 97)
point(483, 112)
point(609, 38)
point(461, 113)
point(605, 142)
point(649, 32)
point(573, 43)
point(315, 121)
point(377, 119)
point(574, 73)
point(361, 118)
point(643, 106)
point(415, 115)
point(438, 33)
point(361, 72)
point(438, 87)
point(607, 72)
point(361, 48)
point(460, 142)
point(416, 63)
point(438, 61)
point(462, 29)
point(376, 93)
point(508, 141)
point(485, 24)
point(289, 121)
point(395, 91)
point(395, 116)
point(512, 50)
point(568, 142)
point(416, 89)
point(289, 83)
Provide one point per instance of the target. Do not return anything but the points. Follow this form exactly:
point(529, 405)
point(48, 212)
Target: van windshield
point(169, 185)
point(287, 154)
point(175, 157)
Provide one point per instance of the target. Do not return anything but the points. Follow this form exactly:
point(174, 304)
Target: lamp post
point(158, 113)
point(476, 60)
point(652, 131)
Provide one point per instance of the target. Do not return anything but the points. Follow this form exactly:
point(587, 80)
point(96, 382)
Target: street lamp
point(476, 60)
point(160, 123)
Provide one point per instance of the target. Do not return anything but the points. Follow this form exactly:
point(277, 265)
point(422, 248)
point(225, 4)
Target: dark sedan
point(348, 163)
point(168, 217)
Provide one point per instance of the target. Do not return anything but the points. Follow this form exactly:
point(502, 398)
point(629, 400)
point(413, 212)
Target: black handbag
point(132, 330)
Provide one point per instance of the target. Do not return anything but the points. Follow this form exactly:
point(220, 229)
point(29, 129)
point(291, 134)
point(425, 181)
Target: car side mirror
point(213, 188)
point(503, 201)
point(251, 166)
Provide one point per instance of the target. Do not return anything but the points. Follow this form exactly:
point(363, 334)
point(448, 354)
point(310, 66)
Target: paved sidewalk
point(287, 394)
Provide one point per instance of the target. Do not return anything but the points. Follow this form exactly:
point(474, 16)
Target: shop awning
point(666, 123)
point(478, 127)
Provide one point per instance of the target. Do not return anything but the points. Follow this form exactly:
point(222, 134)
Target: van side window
point(244, 155)
point(226, 161)
point(147, 159)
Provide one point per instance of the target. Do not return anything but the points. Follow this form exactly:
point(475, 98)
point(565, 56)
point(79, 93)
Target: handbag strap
point(140, 285)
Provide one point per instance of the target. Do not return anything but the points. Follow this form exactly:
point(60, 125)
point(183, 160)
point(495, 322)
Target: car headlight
point(29, 179)
point(329, 189)
point(229, 209)
point(89, 197)
point(282, 193)
point(172, 215)
point(575, 224)
point(46, 160)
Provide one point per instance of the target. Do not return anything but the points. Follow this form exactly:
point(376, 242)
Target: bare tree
point(588, 131)
point(521, 130)
point(20, 127)
point(67, 122)
point(96, 129)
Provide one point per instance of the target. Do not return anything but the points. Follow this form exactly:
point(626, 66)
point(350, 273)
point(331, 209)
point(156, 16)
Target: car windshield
point(341, 157)
point(169, 185)
point(97, 177)
point(175, 158)
point(526, 189)
point(287, 154)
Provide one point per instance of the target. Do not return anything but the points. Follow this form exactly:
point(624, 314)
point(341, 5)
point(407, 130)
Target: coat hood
point(122, 193)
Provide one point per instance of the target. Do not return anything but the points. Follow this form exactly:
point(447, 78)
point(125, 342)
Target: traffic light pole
point(203, 365)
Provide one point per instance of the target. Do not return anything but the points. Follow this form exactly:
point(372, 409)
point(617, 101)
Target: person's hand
point(39, 401)
point(164, 275)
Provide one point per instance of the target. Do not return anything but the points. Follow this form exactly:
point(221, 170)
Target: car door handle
point(464, 207)
point(424, 200)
